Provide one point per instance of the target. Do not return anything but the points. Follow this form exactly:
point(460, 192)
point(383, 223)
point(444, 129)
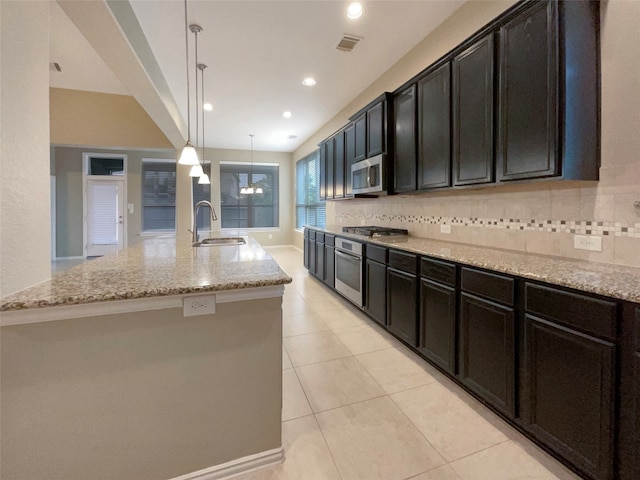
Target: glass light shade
point(204, 179)
point(250, 190)
point(243, 191)
point(259, 190)
point(196, 171)
point(189, 155)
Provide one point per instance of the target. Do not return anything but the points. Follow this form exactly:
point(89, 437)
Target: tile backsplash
point(538, 218)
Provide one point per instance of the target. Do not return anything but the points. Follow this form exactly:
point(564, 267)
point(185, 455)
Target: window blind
point(158, 196)
point(310, 210)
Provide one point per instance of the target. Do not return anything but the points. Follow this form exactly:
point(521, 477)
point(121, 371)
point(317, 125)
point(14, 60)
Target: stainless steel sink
point(220, 241)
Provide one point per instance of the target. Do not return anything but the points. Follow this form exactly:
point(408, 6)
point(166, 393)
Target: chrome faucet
point(214, 217)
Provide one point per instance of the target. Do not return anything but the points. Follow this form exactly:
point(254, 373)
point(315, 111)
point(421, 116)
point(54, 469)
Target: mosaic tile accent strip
point(580, 227)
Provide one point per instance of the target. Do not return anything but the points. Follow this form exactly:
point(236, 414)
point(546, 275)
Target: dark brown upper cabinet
point(360, 125)
point(338, 165)
point(548, 116)
point(404, 140)
point(323, 169)
point(376, 129)
point(434, 128)
point(349, 157)
point(329, 169)
point(473, 113)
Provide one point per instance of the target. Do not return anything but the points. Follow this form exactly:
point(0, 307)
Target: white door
point(105, 216)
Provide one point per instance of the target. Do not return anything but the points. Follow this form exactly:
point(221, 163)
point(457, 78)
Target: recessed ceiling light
point(208, 107)
point(286, 114)
point(309, 82)
point(354, 10)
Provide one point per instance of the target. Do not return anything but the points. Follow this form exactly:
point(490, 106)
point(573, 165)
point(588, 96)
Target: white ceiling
point(258, 52)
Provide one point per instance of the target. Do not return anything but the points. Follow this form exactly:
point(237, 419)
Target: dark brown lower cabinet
point(319, 271)
point(402, 305)
point(305, 246)
point(329, 266)
point(376, 291)
point(487, 351)
point(437, 329)
point(569, 388)
point(636, 389)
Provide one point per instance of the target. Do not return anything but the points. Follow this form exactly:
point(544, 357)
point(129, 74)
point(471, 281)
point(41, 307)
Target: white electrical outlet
point(130, 207)
point(362, 221)
point(193, 306)
point(587, 242)
point(445, 228)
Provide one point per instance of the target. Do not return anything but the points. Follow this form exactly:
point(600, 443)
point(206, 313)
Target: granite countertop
point(614, 281)
point(156, 267)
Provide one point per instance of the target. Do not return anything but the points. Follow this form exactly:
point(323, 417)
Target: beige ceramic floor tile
point(374, 440)
point(306, 455)
point(314, 348)
point(441, 473)
point(506, 461)
point(450, 425)
point(394, 370)
point(286, 361)
point(299, 324)
point(321, 304)
point(294, 401)
point(341, 317)
point(337, 383)
point(364, 339)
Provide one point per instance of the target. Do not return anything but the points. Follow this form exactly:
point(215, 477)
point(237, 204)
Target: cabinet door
point(311, 248)
point(528, 95)
point(404, 155)
point(322, 187)
point(376, 291)
point(434, 129)
point(329, 169)
point(438, 323)
point(570, 384)
point(349, 157)
point(306, 249)
point(402, 303)
point(329, 266)
point(360, 125)
point(636, 384)
point(473, 114)
point(338, 165)
point(319, 272)
point(375, 130)
point(487, 351)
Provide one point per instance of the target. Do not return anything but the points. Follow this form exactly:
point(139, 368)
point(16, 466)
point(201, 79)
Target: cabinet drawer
point(442, 272)
point(320, 237)
point(330, 240)
point(379, 254)
point(312, 234)
point(489, 285)
point(590, 315)
point(406, 262)
point(306, 233)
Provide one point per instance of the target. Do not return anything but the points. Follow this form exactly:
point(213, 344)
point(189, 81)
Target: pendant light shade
point(189, 156)
point(196, 171)
point(250, 189)
point(204, 179)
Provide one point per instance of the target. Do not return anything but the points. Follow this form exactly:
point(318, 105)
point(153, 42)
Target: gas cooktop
point(371, 231)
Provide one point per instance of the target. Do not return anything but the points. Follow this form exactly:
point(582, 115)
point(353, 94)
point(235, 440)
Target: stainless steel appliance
point(368, 176)
point(348, 270)
point(371, 231)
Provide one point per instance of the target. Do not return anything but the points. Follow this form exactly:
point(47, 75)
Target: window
point(259, 210)
point(202, 192)
point(310, 210)
point(158, 195)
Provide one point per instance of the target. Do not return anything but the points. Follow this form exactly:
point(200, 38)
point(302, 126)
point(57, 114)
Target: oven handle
point(348, 255)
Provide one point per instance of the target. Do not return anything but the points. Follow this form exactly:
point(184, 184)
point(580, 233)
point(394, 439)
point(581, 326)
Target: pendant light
point(250, 189)
point(196, 170)
point(188, 155)
point(204, 178)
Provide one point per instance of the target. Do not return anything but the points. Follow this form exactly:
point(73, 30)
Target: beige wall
point(108, 120)
point(147, 395)
point(25, 252)
point(68, 172)
point(609, 201)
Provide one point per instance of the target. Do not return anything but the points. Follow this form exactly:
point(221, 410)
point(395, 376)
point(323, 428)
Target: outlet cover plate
point(587, 242)
point(203, 305)
point(445, 228)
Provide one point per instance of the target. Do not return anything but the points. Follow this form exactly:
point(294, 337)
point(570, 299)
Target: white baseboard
point(69, 258)
point(240, 466)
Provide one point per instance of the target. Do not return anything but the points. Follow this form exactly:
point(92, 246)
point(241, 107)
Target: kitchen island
point(103, 375)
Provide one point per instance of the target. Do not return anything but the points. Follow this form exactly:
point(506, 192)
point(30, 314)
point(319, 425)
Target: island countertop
point(156, 267)
point(605, 279)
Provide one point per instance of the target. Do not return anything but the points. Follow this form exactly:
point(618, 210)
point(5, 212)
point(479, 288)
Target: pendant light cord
point(202, 70)
point(195, 34)
point(186, 45)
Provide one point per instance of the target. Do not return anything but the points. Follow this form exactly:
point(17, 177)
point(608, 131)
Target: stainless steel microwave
point(368, 176)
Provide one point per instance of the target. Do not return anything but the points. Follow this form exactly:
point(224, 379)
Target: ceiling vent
point(55, 67)
point(348, 42)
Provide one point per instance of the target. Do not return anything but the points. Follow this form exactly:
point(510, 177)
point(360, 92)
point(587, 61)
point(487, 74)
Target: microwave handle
point(369, 177)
